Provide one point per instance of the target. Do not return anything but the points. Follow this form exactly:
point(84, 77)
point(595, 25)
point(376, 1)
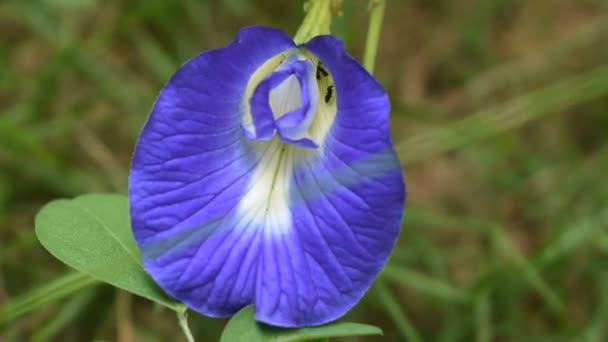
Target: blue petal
point(191, 166)
point(224, 221)
point(346, 205)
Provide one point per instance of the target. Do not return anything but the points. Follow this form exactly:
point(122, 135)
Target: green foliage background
point(500, 118)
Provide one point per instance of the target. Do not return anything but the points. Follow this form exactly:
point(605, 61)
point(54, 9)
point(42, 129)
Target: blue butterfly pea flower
point(266, 175)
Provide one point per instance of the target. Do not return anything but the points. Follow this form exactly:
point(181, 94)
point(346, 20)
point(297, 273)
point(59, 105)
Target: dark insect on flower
point(330, 91)
point(321, 72)
point(247, 188)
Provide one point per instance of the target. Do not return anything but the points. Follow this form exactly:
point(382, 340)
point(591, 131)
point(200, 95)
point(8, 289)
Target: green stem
point(373, 34)
point(316, 22)
point(182, 317)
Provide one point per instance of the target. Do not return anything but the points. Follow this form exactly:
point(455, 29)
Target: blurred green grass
point(500, 118)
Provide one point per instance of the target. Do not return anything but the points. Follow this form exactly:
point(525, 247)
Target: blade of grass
point(152, 54)
point(44, 295)
point(33, 158)
point(573, 238)
point(455, 326)
point(425, 285)
point(529, 270)
point(40, 21)
point(483, 310)
point(486, 123)
point(391, 304)
point(66, 314)
point(596, 330)
point(538, 66)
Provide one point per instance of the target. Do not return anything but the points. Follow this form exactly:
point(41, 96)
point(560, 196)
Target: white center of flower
point(303, 107)
point(266, 203)
point(286, 97)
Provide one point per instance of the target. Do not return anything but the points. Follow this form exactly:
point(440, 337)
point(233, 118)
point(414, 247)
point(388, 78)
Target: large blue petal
point(191, 166)
point(224, 221)
point(346, 206)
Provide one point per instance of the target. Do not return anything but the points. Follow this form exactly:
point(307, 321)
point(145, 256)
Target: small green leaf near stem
point(376, 17)
point(243, 327)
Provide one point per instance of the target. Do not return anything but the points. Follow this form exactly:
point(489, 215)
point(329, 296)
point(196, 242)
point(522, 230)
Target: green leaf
point(92, 233)
point(244, 327)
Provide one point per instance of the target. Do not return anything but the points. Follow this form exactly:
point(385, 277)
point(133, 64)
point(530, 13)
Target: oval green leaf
point(92, 233)
point(244, 328)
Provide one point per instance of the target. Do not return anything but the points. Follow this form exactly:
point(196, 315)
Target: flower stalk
point(182, 318)
point(316, 22)
point(376, 17)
